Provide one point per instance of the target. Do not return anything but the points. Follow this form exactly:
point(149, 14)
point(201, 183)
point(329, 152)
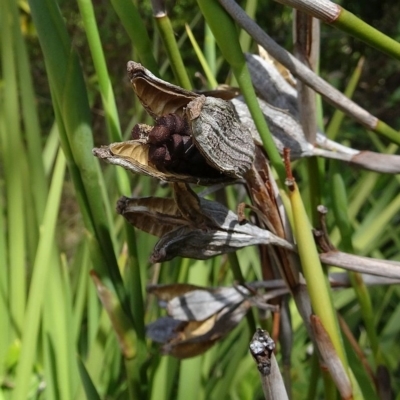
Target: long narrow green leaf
point(212, 82)
point(134, 26)
point(32, 134)
point(90, 389)
point(11, 147)
point(73, 116)
point(38, 284)
point(106, 91)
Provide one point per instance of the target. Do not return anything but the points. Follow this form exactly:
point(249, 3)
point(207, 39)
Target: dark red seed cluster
point(172, 147)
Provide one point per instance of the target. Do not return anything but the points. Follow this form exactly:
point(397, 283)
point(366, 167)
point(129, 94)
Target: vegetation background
point(57, 340)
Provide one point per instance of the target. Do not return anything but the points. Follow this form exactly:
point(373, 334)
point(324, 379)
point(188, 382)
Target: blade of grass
point(13, 171)
point(73, 117)
point(50, 149)
point(106, 91)
point(32, 133)
point(368, 233)
point(38, 283)
point(82, 266)
point(56, 317)
point(96, 50)
point(168, 37)
point(245, 39)
point(334, 125)
point(212, 82)
point(5, 320)
point(163, 381)
point(339, 206)
point(90, 388)
point(209, 50)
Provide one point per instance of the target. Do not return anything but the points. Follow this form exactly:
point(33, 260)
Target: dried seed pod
point(216, 130)
point(226, 144)
point(195, 139)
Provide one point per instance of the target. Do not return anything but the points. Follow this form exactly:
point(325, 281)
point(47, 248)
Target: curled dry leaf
point(193, 227)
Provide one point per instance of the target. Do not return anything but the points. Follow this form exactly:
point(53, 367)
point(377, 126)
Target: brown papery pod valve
point(192, 131)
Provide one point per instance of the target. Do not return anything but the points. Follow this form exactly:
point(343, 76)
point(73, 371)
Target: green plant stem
point(349, 23)
point(167, 34)
point(314, 183)
point(212, 82)
point(225, 34)
point(388, 132)
point(316, 283)
point(245, 39)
